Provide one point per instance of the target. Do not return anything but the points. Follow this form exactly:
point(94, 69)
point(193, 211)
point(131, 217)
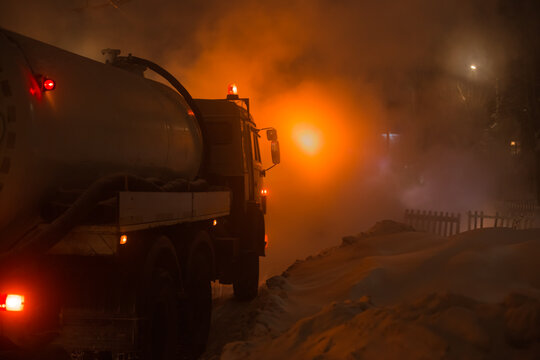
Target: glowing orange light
point(123, 239)
point(308, 138)
point(265, 241)
point(473, 67)
point(49, 84)
point(13, 303)
point(214, 223)
point(232, 90)
point(191, 113)
point(264, 192)
point(512, 143)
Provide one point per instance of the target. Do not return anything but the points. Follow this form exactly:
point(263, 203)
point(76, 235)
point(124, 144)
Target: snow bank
point(392, 293)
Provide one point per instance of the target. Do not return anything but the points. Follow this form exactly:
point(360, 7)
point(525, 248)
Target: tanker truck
point(121, 200)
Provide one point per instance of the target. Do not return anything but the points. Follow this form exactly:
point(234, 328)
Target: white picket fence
point(519, 207)
point(479, 220)
point(440, 223)
point(449, 223)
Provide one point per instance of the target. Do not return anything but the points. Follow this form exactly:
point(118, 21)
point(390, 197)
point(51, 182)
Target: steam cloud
point(350, 68)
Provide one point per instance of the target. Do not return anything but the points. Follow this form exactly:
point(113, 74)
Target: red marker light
point(49, 84)
point(12, 302)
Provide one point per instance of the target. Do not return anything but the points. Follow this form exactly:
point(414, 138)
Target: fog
point(348, 71)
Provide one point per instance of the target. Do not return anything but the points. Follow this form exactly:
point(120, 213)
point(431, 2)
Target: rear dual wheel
point(177, 324)
point(162, 333)
point(197, 307)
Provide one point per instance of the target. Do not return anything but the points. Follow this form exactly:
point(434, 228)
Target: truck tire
point(161, 332)
point(197, 307)
point(246, 282)
point(159, 302)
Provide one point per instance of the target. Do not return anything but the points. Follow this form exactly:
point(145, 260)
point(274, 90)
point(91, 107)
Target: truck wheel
point(246, 283)
point(197, 309)
point(161, 332)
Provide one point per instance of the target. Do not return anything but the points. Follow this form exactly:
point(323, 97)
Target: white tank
point(98, 120)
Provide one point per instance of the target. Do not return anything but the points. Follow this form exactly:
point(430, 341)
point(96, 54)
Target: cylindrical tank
point(98, 120)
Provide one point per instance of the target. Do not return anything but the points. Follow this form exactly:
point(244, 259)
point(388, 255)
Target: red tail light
point(49, 84)
point(11, 302)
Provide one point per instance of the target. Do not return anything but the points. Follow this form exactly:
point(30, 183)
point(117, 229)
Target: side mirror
point(271, 135)
point(274, 149)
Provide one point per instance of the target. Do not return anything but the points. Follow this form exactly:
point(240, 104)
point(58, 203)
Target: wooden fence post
point(481, 219)
point(439, 217)
point(446, 218)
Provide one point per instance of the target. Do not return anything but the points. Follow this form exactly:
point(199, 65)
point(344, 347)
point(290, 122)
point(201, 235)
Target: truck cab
point(234, 159)
point(234, 150)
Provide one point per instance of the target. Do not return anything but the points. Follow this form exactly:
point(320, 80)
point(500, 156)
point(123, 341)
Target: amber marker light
point(12, 302)
point(123, 239)
point(232, 89)
point(264, 192)
point(214, 223)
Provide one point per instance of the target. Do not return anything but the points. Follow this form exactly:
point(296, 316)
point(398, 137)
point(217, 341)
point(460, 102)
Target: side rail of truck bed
point(144, 210)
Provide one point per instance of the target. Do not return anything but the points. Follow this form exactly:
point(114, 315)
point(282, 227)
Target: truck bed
point(140, 211)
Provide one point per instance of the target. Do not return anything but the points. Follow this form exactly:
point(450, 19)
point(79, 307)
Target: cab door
point(252, 158)
point(257, 164)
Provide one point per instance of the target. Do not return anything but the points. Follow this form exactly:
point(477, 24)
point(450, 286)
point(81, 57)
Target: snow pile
point(392, 293)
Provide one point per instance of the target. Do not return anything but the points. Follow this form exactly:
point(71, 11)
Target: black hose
point(102, 189)
point(182, 90)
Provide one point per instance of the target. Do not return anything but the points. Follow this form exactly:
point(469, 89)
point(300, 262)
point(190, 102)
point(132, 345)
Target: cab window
point(256, 150)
